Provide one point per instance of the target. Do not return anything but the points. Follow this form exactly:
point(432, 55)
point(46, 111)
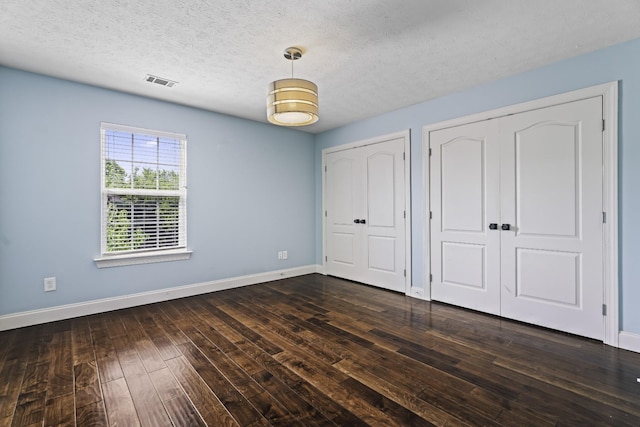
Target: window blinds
point(143, 190)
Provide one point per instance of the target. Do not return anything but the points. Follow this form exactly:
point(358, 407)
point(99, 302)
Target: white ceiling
point(366, 56)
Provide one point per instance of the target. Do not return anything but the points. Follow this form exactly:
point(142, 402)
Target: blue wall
point(620, 62)
point(254, 189)
point(251, 193)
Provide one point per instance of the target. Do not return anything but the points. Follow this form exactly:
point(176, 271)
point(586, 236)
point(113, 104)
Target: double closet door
point(517, 222)
point(365, 217)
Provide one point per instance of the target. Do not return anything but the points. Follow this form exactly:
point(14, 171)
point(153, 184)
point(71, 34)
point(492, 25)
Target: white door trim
point(609, 93)
point(406, 136)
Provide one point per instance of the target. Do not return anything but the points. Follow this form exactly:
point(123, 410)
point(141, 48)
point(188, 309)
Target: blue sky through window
point(152, 162)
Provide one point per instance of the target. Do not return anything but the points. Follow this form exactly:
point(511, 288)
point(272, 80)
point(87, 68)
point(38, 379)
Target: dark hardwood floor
point(308, 351)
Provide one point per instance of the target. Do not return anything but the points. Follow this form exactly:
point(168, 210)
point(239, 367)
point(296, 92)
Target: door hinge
point(603, 126)
point(430, 215)
point(405, 272)
point(326, 259)
point(430, 278)
point(404, 214)
point(404, 156)
point(604, 309)
point(325, 168)
point(325, 213)
point(604, 217)
point(429, 151)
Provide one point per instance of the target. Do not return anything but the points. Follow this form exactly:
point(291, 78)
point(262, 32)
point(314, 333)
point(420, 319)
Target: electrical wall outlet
point(285, 254)
point(49, 284)
point(280, 255)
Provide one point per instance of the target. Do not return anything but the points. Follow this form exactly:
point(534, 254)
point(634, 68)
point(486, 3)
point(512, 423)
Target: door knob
point(363, 221)
point(493, 226)
point(506, 226)
point(357, 221)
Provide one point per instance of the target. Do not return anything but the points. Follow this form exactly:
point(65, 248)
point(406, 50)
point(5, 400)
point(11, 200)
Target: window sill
point(142, 258)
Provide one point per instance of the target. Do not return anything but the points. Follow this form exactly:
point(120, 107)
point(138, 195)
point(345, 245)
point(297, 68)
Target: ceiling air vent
point(160, 80)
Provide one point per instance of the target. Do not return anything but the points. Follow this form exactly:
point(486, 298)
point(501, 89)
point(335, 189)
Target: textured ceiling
point(366, 56)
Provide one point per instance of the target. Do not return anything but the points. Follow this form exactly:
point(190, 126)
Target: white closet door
point(365, 226)
point(344, 204)
point(383, 245)
point(465, 251)
point(551, 190)
point(537, 175)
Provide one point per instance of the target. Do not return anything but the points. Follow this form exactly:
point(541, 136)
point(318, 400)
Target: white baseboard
point(52, 314)
point(416, 292)
point(629, 341)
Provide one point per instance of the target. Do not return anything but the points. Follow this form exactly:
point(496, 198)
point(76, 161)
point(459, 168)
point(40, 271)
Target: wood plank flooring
point(307, 351)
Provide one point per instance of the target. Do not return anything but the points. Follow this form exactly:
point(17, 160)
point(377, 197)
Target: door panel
point(343, 248)
point(547, 179)
point(472, 274)
point(382, 254)
point(465, 252)
point(551, 194)
point(548, 276)
point(464, 198)
point(381, 190)
point(343, 201)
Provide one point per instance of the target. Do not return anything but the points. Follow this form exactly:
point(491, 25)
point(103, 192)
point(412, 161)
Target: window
point(144, 195)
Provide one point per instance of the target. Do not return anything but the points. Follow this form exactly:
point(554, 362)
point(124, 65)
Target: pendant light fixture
point(292, 102)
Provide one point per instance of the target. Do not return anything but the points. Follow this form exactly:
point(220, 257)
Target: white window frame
point(151, 255)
